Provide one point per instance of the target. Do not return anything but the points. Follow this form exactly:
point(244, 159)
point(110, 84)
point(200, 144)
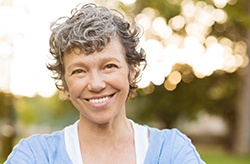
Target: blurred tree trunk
point(241, 143)
point(7, 120)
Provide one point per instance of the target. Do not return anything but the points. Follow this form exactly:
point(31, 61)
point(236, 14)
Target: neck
point(112, 142)
point(112, 132)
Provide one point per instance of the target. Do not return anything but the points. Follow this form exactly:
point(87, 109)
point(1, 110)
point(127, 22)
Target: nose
point(96, 82)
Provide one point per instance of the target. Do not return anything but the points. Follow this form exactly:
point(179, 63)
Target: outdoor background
point(197, 79)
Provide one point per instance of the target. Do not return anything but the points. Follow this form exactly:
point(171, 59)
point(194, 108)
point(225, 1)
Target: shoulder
point(167, 134)
point(54, 138)
point(42, 148)
point(171, 146)
point(169, 138)
point(41, 142)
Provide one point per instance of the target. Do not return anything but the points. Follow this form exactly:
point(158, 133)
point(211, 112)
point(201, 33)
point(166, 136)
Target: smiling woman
point(100, 82)
point(96, 66)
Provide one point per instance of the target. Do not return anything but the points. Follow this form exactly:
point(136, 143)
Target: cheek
point(119, 81)
point(75, 87)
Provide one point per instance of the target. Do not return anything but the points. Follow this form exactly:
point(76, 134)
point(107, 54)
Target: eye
point(110, 66)
point(77, 71)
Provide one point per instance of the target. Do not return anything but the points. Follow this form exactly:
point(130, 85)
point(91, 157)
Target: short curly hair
point(90, 28)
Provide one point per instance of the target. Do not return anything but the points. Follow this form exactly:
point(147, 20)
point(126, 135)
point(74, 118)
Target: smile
point(99, 100)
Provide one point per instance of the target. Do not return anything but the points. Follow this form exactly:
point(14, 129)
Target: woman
point(97, 67)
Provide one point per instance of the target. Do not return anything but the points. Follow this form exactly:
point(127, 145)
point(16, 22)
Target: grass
point(218, 155)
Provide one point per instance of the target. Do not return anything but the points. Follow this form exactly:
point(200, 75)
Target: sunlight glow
point(25, 49)
point(174, 77)
point(160, 28)
point(128, 2)
point(219, 16)
point(198, 49)
point(220, 3)
point(184, 39)
point(177, 22)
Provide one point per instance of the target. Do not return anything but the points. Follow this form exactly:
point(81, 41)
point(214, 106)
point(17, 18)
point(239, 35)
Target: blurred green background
point(198, 78)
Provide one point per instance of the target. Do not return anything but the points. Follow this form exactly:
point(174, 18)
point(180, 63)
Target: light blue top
point(165, 147)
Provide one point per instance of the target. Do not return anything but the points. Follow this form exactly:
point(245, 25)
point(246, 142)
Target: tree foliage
point(217, 94)
point(7, 119)
point(50, 111)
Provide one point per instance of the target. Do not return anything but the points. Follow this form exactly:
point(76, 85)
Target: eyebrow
point(76, 64)
point(107, 59)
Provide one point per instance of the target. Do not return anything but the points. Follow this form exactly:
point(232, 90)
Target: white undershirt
point(73, 146)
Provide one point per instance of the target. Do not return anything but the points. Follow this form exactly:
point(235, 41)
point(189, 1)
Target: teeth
point(101, 100)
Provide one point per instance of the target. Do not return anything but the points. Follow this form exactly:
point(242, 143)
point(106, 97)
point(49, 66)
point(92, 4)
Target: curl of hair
point(90, 28)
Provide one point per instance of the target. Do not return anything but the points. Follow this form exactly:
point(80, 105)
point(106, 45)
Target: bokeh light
point(183, 39)
point(186, 39)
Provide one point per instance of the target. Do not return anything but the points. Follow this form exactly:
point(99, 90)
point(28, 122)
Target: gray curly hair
point(90, 28)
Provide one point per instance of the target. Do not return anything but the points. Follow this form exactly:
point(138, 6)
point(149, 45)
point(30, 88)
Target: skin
point(98, 87)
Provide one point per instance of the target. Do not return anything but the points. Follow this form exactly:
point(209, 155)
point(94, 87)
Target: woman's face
point(98, 83)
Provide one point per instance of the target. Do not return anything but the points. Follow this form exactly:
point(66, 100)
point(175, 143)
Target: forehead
point(113, 49)
point(111, 44)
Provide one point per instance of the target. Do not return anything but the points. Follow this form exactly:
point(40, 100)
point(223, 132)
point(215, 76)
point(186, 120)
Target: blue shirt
point(165, 147)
